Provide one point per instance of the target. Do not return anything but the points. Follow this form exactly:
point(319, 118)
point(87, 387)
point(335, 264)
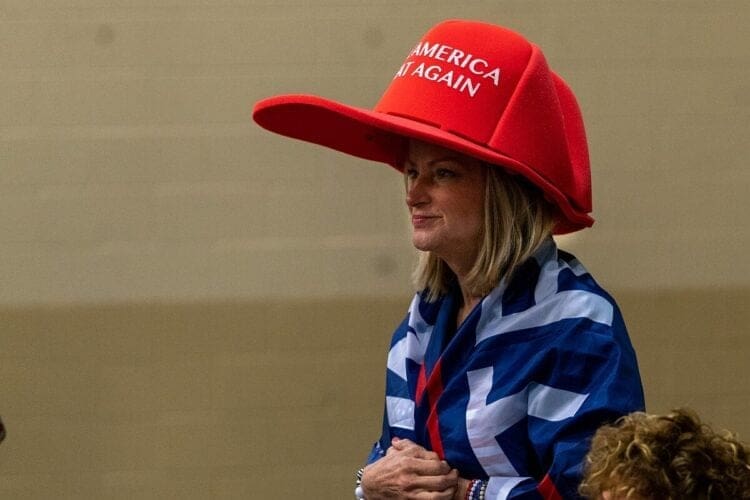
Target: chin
point(421, 245)
point(423, 241)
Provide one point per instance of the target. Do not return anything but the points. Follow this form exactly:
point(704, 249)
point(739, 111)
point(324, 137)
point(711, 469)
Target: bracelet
point(476, 490)
point(471, 490)
point(359, 494)
point(482, 490)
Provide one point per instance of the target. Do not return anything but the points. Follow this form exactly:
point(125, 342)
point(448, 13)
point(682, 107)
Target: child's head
point(673, 456)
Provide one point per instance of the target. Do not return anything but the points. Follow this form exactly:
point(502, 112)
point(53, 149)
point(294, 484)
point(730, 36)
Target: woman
point(511, 355)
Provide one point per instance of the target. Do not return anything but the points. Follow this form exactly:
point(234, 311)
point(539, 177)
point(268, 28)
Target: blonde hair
point(517, 220)
point(673, 456)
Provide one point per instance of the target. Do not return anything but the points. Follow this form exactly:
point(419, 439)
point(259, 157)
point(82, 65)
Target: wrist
point(462, 487)
point(359, 493)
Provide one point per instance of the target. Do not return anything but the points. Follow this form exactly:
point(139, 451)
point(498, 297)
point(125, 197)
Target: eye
point(410, 173)
point(444, 173)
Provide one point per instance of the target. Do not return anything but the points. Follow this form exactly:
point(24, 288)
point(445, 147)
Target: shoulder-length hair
point(517, 220)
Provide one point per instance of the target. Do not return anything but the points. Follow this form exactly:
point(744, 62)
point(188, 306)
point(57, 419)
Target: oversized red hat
point(473, 87)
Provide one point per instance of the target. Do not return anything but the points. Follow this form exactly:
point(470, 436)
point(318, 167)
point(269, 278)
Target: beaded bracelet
point(359, 494)
point(482, 490)
point(476, 490)
point(470, 489)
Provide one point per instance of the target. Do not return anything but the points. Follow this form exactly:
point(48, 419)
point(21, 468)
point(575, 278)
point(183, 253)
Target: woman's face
point(445, 196)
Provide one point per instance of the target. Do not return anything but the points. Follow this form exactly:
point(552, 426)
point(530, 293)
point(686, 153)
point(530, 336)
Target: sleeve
point(601, 382)
point(398, 405)
point(376, 453)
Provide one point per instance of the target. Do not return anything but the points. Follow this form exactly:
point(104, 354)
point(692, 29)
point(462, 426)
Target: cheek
point(469, 220)
point(473, 209)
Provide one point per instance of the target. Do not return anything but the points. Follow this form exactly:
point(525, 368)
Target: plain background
point(192, 307)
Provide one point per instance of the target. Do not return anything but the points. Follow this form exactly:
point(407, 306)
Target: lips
point(422, 220)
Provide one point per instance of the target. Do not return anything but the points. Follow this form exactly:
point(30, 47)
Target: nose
point(417, 192)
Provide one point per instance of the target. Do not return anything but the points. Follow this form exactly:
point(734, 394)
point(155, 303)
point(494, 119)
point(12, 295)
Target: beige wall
point(194, 308)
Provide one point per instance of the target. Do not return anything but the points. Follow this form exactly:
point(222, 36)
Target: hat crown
point(477, 88)
point(459, 77)
point(489, 85)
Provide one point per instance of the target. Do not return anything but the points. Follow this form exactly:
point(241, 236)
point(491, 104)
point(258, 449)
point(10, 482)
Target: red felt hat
point(473, 87)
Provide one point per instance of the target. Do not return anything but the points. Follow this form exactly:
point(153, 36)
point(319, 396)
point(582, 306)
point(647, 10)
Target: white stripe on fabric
point(492, 305)
point(416, 321)
point(546, 284)
point(499, 488)
point(397, 357)
point(549, 274)
point(400, 412)
point(553, 404)
point(577, 268)
point(564, 305)
point(419, 339)
point(414, 345)
point(485, 421)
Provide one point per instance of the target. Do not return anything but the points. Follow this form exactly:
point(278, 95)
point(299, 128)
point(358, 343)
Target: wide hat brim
point(537, 132)
point(379, 137)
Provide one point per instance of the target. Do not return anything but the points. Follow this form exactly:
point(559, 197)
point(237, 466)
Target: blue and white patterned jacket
point(513, 396)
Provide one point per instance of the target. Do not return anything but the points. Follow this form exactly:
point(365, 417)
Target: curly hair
point(673, 456)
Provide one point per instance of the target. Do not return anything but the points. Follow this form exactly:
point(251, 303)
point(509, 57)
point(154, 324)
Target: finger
point(434, 483)
point(443, 495)
point(414, 450)
point(418, 494)
point(424, 454)
point(420, 467)
point(429, 467)
point(402, 444)
point(431, 495)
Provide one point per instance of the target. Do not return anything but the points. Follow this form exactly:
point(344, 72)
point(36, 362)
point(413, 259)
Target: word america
point(436, 73)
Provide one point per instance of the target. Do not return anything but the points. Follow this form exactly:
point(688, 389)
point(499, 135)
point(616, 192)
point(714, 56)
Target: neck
point(468, 302)
point(461, 268)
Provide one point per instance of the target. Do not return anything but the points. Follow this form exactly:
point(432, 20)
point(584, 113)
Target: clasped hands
point(409, 471)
